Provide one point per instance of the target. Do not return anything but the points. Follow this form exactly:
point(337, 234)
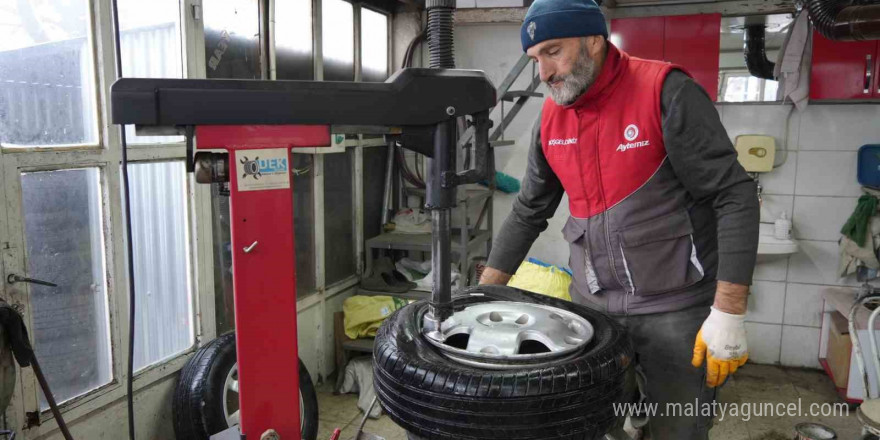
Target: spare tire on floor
point(436, 398)
point(206, 398)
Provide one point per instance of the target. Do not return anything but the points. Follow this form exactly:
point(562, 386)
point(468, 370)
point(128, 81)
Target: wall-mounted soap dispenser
point(756, 153)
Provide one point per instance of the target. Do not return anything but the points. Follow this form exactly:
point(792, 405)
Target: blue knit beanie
point(550, 19)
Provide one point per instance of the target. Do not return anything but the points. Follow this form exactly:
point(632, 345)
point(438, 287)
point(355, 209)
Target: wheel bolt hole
point(489, 350)
point(459, 341)
point(495, 317)
point(532, 347)
point(557, 317)
point(523, 319)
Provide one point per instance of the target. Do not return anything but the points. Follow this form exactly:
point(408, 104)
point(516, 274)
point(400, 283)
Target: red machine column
point(263, 262)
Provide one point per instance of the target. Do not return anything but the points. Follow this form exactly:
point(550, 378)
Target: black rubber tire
point(198, 399)
point(436, 398)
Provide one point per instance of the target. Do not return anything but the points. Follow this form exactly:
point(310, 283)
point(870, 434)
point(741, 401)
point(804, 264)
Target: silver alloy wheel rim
point(504, 334)
point(230, 387)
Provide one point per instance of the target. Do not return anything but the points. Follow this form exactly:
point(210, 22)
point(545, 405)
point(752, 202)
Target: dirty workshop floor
point(754, 384)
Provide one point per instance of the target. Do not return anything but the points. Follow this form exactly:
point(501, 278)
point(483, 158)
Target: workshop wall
point(153, 417)
point(816, 187)
point(315, 335)
point(495, 48)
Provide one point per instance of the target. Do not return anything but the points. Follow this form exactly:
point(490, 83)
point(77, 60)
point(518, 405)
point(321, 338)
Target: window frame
point(389, 69)
point(97, 89)
point(726, 74)
point(106, 154)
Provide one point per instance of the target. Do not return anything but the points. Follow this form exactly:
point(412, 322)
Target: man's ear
point(595, 45)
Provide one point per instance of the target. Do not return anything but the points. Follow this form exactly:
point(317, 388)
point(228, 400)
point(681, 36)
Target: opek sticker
point(262, 169)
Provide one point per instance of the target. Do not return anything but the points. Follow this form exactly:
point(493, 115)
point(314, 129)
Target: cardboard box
point(839, 349)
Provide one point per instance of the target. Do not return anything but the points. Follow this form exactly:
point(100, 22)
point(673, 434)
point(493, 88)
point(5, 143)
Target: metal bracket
point(480, 171)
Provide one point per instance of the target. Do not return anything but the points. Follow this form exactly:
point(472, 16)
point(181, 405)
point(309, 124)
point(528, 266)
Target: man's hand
point(721, 342)
point(494, 276)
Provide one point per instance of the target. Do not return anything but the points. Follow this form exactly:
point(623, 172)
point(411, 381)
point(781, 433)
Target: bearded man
point(663, 226)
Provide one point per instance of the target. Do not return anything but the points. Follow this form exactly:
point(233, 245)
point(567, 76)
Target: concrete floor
point(752, 384)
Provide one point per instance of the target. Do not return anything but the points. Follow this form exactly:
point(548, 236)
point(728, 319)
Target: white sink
point(771, 248)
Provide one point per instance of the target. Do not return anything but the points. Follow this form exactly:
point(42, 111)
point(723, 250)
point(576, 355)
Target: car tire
point(198, 399)
point(435, 398)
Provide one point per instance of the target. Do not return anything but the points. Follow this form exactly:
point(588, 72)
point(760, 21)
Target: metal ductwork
point(755, 51)
point(849, 23)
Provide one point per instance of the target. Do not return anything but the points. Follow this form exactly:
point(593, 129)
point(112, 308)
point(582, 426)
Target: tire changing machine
point(257, 123)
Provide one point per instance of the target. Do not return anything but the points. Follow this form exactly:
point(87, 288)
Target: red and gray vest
point(632, 241)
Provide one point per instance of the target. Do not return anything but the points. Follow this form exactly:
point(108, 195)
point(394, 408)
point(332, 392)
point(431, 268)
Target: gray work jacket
point(705, 228)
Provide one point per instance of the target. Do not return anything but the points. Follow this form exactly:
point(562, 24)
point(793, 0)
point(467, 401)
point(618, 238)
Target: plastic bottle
point(782, 227)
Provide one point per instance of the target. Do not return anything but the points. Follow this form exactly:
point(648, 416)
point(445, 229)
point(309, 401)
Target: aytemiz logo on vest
point(568, 141)
point(630, 134)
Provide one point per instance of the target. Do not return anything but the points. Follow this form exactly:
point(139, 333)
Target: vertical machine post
point(440, 191)
point(263, 267)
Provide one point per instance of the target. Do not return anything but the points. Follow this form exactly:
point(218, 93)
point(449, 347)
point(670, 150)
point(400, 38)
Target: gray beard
point(576, 83)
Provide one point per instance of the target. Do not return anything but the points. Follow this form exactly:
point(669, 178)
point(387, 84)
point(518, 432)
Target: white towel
point(793, 63)
point(359, 379)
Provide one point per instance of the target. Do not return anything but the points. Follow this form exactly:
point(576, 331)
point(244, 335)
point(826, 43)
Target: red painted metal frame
point(842, 392)
point(264, 279)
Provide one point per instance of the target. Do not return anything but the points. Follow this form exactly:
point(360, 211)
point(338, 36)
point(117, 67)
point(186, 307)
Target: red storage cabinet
point(639, 37)
point(844, 69)
point(694, 42)
point(691, 41)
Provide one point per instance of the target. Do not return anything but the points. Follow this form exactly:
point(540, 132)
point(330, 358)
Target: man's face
point(567, 65)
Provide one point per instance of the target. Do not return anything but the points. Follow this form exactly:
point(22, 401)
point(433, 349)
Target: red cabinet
point(844, 69)
point(691, 41)
point(694, 42)
point(639, 37)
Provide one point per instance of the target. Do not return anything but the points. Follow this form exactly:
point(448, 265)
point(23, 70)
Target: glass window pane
point(303, 229)
point(375, 161)
point(736, 89)
point(47, 81)
point(337, 21)
point(65, 245)
point(164, 323)
point(293, 40)
point(770, 89)
point(374, 45)
point(224, 306)
point(150, 37)
point(754, 89)
point(338, 217)
point(232, 38)
point(304, 223)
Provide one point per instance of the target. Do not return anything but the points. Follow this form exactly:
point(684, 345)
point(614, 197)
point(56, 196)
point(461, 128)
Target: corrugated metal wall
point(151, 52)
point(162, 278)
point(43, 98)
point(43, 101)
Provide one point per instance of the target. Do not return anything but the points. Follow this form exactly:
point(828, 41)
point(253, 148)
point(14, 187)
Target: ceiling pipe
point(755, 51)
point(851, 23)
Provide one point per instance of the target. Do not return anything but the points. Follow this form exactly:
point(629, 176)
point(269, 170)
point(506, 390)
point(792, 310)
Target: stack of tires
point(435, 398)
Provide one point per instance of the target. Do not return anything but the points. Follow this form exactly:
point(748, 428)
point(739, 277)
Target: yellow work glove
point(721, 340)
